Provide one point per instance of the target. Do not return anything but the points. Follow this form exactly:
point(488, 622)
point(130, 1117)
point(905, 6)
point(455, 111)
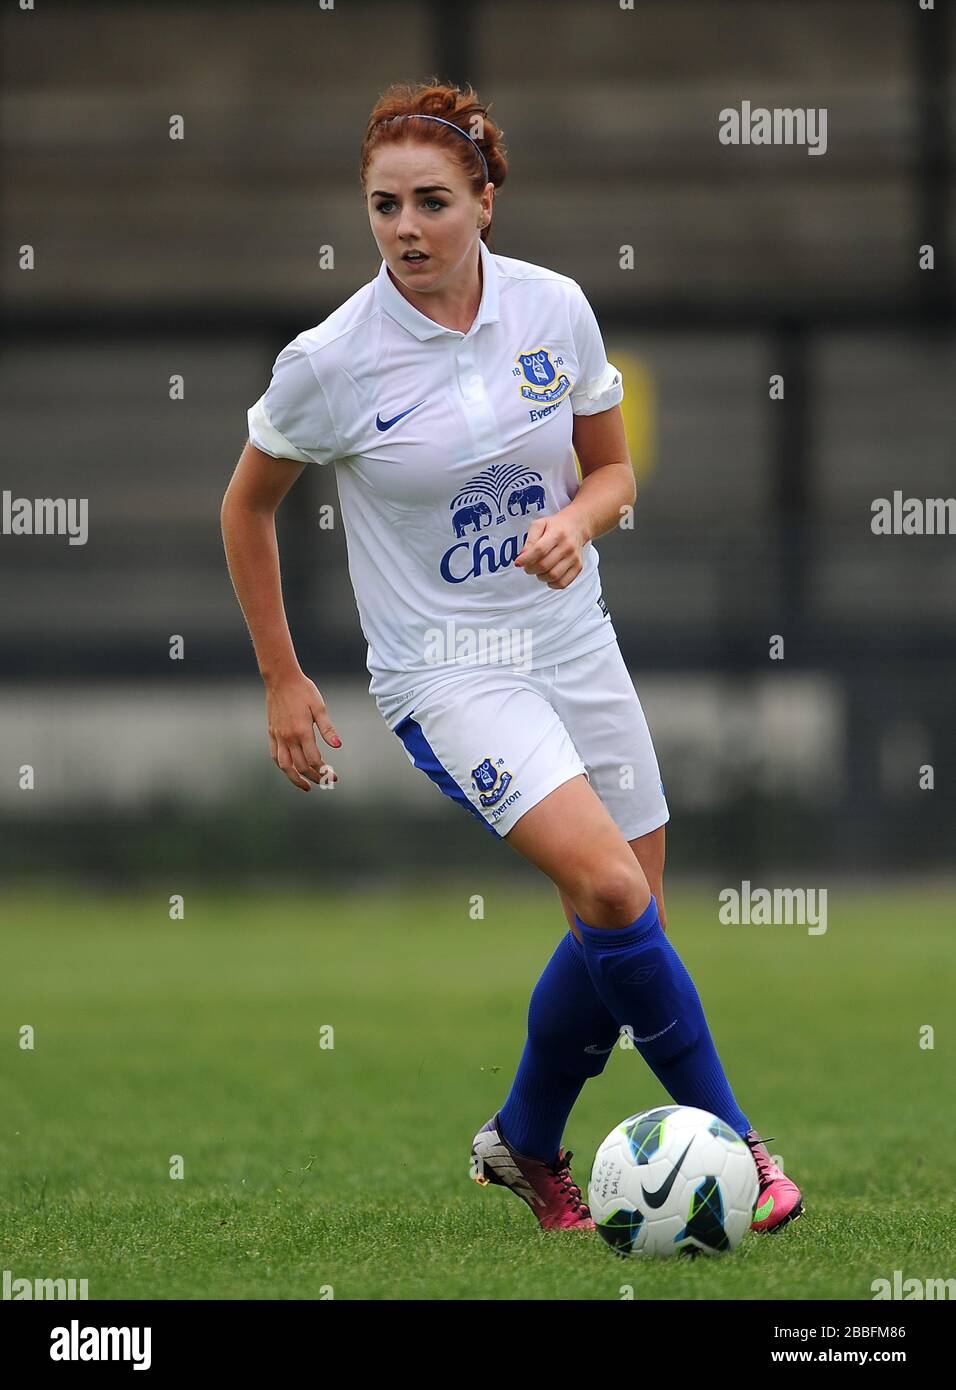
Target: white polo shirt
point(446, 446)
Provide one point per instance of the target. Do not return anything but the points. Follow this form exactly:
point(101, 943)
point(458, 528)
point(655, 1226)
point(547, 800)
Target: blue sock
point(565, 1018)
point(644, 984)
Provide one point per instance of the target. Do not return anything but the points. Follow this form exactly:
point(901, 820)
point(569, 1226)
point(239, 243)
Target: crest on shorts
point(490, 781)
point(542, 382)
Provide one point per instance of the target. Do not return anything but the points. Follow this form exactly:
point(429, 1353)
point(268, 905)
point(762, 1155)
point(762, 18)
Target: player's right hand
point(294, 706)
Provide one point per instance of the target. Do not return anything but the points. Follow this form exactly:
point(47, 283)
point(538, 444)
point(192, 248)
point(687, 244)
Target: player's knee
point(614, 895)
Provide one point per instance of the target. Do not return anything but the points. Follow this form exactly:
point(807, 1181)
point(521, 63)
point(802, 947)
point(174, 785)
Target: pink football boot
point(546, 1187)
point(778, 1199)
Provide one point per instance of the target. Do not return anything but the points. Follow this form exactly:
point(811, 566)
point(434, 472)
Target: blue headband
point(420, 116)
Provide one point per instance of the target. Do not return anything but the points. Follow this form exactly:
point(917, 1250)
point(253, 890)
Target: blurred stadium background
point(200, 257)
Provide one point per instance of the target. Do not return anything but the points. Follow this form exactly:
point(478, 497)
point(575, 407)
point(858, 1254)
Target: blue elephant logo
point(477, 516)
point(526, 497)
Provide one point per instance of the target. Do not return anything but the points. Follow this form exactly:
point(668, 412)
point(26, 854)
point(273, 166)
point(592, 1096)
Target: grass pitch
point(310, 1167)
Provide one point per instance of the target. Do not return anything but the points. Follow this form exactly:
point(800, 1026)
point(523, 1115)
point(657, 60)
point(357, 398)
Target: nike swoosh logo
point(381, 424)
point(765, 1208)
point(658, 1198)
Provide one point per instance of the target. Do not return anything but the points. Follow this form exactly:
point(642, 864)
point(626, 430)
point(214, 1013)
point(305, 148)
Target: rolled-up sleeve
point(292, 419)
point(599, 385)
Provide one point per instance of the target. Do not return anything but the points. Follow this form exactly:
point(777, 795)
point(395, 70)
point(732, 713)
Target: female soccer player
point(448, 393)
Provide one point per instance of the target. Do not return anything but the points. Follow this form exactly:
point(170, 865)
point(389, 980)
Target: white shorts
point(498, 741)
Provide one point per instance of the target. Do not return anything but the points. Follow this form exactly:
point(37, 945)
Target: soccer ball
point(673, 1181)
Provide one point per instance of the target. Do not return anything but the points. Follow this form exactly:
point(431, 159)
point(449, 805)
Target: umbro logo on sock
point(651, 1036)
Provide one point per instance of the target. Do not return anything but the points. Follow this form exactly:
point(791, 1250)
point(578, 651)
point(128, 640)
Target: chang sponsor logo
point(493, 497)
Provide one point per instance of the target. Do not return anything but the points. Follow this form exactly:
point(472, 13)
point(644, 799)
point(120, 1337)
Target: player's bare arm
point(294, 704)
point(554, 545)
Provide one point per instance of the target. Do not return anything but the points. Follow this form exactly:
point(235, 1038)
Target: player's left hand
point(552, 551)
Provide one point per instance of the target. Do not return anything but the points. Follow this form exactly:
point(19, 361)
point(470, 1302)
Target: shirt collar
point(420, 324)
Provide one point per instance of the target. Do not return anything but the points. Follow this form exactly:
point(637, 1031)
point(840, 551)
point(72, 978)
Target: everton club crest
point(543, 382)
point(490, 783)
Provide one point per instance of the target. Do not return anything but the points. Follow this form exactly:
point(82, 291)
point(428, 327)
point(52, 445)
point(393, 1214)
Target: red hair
point(461, 107)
